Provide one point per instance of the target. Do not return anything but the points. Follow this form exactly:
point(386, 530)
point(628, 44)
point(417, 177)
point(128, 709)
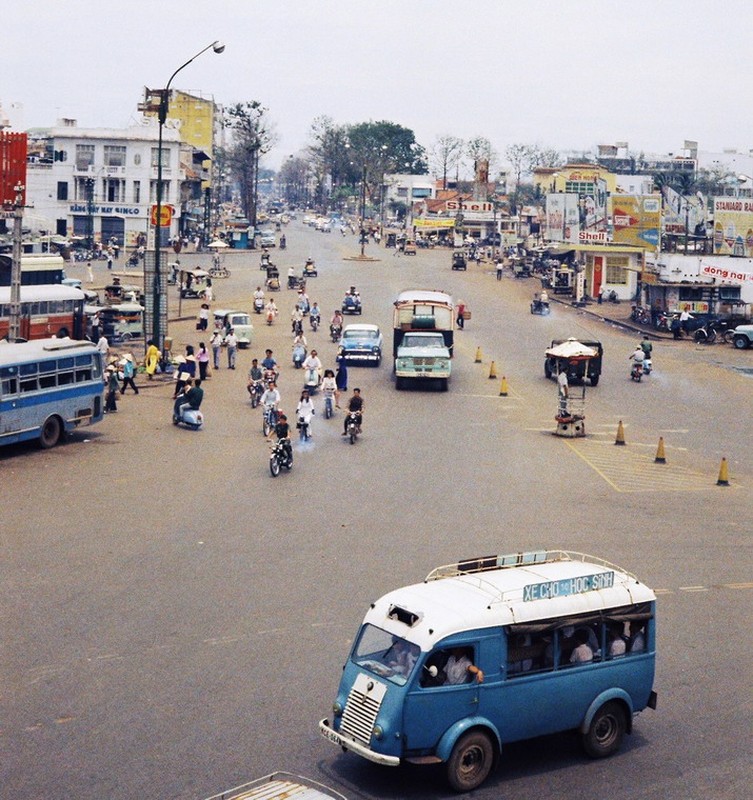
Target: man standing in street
point(216, 345)
point(231, 340)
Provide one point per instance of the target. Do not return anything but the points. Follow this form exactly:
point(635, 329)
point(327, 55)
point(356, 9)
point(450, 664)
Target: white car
point(267, 239)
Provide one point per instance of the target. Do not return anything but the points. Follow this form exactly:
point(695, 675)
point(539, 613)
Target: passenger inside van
point(582, 653)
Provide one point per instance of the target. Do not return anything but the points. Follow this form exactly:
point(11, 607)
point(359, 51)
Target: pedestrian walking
point(129, 370)
point(216, 344)
point(461, 314)
point(341, 377)
point(203, 322)
point(151, 359)
point(232, 348)
point(104, 347)
point(109, 261)
point(202, 358)
point(90, 271)
point(112, 385)
point(499, 269)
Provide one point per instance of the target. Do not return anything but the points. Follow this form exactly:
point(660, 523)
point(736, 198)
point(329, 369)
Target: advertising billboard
point(636, 219)
point(12, 167)
point(562, 217)
point(733, 226)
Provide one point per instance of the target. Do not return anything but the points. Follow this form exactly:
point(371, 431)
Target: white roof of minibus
point(45, 291)
point(17, 352)
point(494, 597)
point(423, 296)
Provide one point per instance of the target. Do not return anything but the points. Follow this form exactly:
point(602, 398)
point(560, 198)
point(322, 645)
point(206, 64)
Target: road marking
point(626, 470)
point(694, 589)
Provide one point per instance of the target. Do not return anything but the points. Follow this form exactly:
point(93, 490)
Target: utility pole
point(14, 328)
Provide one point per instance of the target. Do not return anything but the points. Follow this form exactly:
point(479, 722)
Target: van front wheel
point(471, 761)
point(604, 735)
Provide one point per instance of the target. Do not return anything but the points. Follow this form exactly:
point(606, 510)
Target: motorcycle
point(256, 390)
point(636, 373)
point(313, 379)
point(540, 307)
point(269, 420)
point(304, 428)
point(314, 320)
point(329, 406)
point(647, 365)
point(258, 305)
point(281, 455)
point(334, 332)
point(299, 355)
point(190, 417)
point(270, 316)
point(283, 243)
point(352, 428)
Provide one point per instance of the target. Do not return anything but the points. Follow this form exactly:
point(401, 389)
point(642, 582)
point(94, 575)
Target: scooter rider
point(355, 404)
point(190, 397)
point(282, 432)
point(637, 357)
point(255, 375)
point(337, 319)
point(269, 365)
point(315, 315)
point(313, 367)
point(259, 299)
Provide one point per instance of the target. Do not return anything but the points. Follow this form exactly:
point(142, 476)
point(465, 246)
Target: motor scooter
point(190, 417)
point(304, 427)
point(258, 305)
point(312, 381)
point(314, 320)
point(256, 390)
point(636, 372)
point(281, 455)
point(299, 355)
point(352, 429)
point(647, 365)
point(270, 316)
point(335, 331)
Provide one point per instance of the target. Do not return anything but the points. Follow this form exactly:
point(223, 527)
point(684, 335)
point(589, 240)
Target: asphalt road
point(175, 620)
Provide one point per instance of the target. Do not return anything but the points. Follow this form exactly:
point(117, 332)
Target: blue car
point(362, 343)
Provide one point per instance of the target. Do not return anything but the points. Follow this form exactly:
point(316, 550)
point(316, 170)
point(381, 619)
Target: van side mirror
point(432, 670)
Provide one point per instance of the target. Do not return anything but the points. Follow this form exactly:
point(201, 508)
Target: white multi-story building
point(101, 183)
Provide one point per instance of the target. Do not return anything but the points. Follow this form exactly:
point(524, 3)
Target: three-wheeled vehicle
point(272, 284)
point(296, 282)
point(409, 248)
point(577, 369)
point(352, 304)
point(309, 269)
point(194, 283)
point(280, 786)
point(458, 260)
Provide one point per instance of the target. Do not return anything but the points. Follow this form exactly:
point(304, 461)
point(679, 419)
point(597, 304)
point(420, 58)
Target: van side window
point(451, 666)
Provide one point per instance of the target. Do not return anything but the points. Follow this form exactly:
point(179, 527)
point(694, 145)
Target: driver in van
point(459, 666)
point(402, 656)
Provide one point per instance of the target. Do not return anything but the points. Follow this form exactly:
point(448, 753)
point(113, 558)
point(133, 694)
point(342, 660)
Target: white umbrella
point(572, 348)
point(217, 243)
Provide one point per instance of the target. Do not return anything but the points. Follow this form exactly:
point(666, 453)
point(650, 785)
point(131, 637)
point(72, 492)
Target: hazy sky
point(566, 75)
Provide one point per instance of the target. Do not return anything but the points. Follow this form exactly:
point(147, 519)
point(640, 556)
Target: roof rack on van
point(524, 559)
point(65, 344)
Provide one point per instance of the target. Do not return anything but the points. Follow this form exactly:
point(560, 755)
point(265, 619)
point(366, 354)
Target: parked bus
point(496, 650)
point(45, 310)
point(48, 388)
point(36, 269)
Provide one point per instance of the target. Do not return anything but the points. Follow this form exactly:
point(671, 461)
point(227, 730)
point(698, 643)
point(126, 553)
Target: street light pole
point(218, 47)
point(363, 209)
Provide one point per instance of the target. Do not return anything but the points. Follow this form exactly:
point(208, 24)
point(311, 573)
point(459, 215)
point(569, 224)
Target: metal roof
point(505, 590)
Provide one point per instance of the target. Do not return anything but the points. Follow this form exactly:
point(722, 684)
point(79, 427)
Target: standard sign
point(566, 586)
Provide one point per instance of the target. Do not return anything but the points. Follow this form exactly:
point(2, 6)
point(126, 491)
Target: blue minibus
point(495, 650)
point(47, 388)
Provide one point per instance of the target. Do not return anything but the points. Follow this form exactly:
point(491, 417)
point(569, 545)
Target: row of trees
point(342, 160)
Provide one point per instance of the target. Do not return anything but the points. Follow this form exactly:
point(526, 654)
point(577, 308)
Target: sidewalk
point(614, 313)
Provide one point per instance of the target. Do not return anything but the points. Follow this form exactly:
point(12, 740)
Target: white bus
point(47, 388)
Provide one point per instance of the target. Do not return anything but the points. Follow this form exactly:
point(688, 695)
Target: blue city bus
point(496, 650)
point(47, 388)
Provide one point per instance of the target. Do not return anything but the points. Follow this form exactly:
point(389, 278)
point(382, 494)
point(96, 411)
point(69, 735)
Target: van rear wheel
point(604, 735)
point(49, 436)
point(471, 761)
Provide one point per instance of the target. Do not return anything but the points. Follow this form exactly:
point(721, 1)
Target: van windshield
point(385, 654)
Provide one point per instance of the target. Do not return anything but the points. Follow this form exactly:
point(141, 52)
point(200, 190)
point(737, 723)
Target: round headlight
point(337, 708)
point(378, 731)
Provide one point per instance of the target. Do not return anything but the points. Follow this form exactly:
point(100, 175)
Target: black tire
point(352, 437)
point(604, 735)
point(254, 399)
point(471, 761)
point(443, 384)
point(266, 427)
point(729, 337)
point(274, 466)
point(50, 434)
point(741, 342)
point(700, 336)
point(595, 380)
point(399, 383)
point(548, 370)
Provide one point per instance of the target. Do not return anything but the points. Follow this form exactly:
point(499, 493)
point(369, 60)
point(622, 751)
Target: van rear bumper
point(351, 744)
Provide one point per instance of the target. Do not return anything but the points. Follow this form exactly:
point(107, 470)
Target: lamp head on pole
point(218, 46)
